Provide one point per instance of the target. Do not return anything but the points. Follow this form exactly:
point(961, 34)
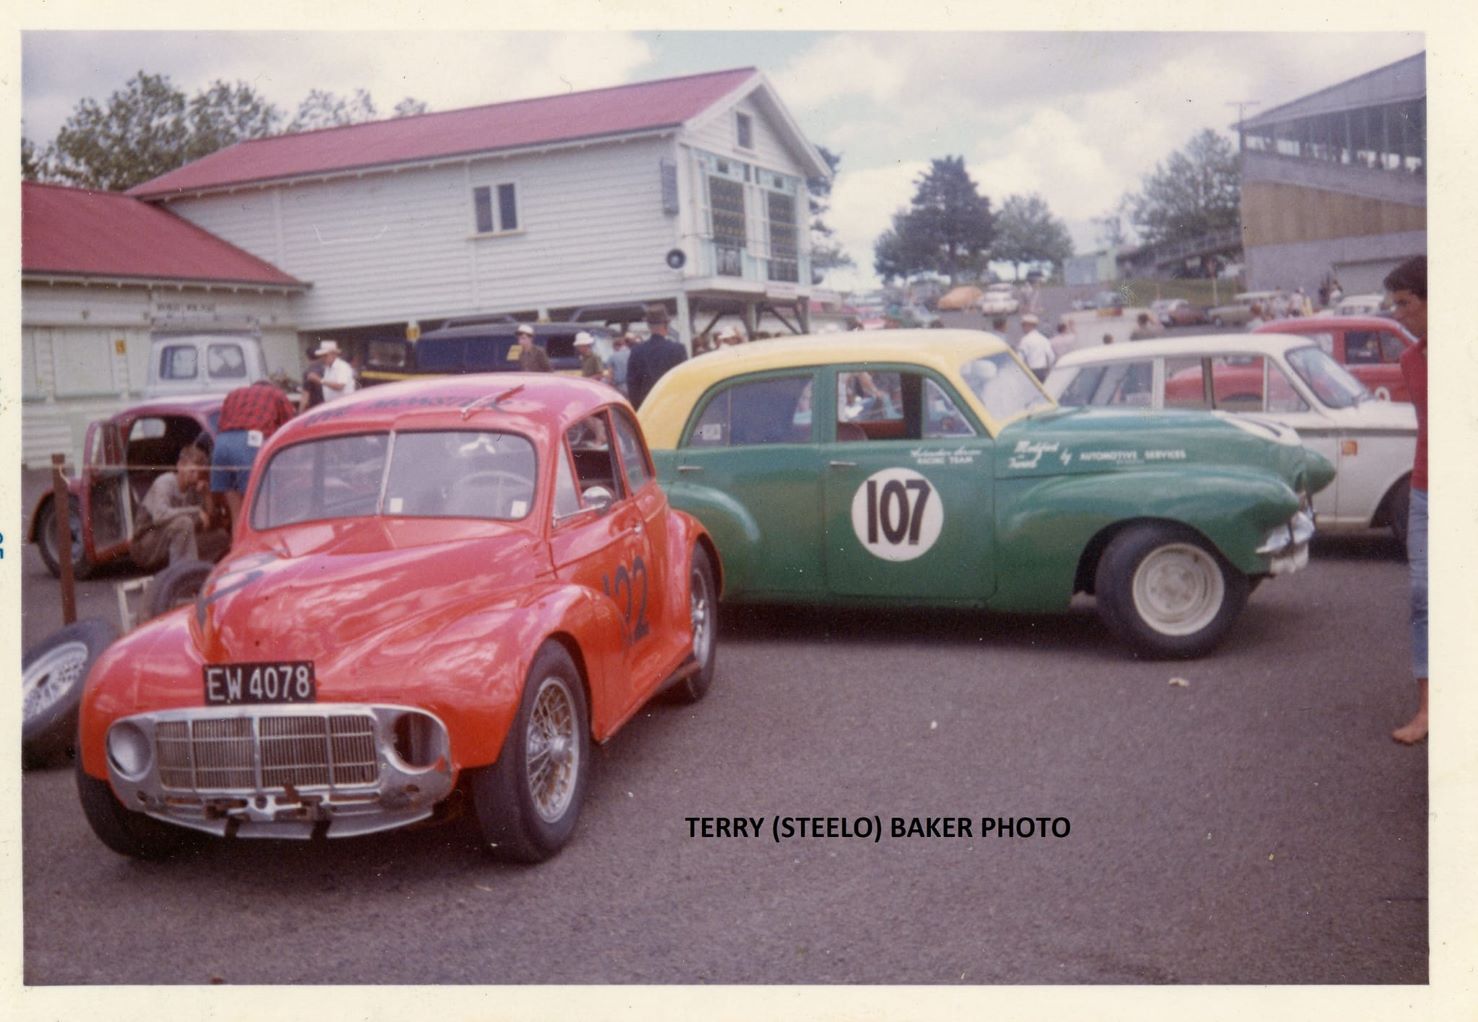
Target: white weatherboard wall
point(403, 245)
point(720, 135)
point(85, 349)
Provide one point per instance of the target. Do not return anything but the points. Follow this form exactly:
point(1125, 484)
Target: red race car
point(1370, 347)
point(441, 586)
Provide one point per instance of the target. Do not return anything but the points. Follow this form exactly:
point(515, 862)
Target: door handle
point(842, 464)
point(690, 468)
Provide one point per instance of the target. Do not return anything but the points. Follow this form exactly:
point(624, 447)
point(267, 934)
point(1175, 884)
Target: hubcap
point(553, 750)
point(51, 677)
point(701, 614)
point(1178, 589)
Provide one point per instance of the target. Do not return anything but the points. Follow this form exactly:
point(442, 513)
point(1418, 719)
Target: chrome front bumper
point(282, 771)
point(1287, 546)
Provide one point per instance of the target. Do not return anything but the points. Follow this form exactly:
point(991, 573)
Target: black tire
point(703, 614)
point(177, 584)
point(52, 677)
point(128, 833)
point(46, 539)
point(1166, 592)
point(1398, 510)
point(551, 728)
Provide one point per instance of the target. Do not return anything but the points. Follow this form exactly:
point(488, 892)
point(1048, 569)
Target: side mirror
point(598, 498)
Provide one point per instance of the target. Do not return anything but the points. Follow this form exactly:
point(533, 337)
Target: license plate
point(281, 681)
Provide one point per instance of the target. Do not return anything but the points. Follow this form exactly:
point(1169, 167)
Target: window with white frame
point(495, 208)
point(744, 127)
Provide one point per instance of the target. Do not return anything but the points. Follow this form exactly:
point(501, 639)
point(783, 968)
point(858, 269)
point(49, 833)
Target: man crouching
point(173, 524)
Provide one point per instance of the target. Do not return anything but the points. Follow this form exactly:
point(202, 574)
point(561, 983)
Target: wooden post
point(63, 508)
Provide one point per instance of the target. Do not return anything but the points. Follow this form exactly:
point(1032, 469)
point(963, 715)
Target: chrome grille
point(301, 750)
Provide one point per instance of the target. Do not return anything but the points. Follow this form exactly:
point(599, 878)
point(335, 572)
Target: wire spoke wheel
point(51, 677)
point(553, 757)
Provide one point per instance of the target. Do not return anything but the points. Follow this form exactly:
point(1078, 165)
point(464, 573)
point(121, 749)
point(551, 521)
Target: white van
point(203, 363)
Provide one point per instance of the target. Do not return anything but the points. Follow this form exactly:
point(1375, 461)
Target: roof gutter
point(55, 277)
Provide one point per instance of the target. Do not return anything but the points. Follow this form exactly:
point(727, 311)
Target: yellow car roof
point(667, 407)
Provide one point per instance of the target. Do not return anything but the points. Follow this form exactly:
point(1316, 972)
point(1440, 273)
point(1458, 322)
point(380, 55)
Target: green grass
point(1198, 292)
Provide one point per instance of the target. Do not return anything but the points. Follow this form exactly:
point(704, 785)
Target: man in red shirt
point(249, 415)
point(1407, 285)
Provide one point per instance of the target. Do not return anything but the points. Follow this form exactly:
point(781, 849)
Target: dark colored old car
point(479, 346)
point(122, 456)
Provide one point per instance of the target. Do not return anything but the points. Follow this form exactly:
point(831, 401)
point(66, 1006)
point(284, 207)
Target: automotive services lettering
point(870, 828)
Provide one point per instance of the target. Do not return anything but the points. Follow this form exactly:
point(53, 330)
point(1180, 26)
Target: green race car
point(929, 467)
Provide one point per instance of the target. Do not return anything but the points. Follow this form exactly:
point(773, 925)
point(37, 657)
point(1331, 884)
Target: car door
point(907, 488)
point(106, 511)
point(748, 468)
point(600, 541)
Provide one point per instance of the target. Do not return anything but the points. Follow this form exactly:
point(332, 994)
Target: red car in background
point(438, 588)
point(1370, 347)
point(121, 458)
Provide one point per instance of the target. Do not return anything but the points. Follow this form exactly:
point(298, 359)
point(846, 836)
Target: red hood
point(348, 589)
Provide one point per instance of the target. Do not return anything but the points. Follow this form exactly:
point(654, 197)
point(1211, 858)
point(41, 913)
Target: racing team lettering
point(896, 514)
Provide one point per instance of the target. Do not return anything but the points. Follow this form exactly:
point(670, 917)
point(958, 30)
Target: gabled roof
point(1403, 81)
point(549, 120)
point(71, 232)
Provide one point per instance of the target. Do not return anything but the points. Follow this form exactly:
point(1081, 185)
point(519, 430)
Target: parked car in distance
point(927, 467)
point(999, 300)
point(442, 585)
point(121, 457)
point(479, 346)
point(1289, 379)
point(1360, 305)
point(1238, 312)
point(1370, 347)
point(1178, 312)
point(183, 364)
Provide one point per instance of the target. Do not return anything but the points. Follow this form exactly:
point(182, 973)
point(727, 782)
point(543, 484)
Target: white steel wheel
point(552, 747)
point(1167, 592)
point(1178, 589)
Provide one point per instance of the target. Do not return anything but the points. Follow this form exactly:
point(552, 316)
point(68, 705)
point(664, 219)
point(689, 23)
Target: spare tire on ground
point(52, 676)
point(177, 584)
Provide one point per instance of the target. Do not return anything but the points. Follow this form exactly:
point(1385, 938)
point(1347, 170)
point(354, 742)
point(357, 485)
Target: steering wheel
point(494, 490)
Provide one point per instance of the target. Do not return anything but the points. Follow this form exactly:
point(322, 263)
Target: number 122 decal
point(629, 590)
point(896, 515)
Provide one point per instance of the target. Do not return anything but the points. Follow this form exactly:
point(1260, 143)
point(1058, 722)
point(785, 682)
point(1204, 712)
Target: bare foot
point(1412, 732)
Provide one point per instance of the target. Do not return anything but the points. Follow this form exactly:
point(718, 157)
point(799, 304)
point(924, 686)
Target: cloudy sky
point(1079, 117)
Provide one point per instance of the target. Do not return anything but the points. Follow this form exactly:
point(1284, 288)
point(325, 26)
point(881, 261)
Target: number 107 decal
point(896, 514)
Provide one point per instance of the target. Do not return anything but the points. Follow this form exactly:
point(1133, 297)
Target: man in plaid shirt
point(249, 415)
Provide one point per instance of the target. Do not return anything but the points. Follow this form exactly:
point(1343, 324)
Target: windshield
point(1331, 382)
point(1004, 387)
point(447, 474)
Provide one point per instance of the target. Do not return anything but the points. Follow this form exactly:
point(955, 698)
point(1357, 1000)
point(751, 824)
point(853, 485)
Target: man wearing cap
point(531, 357)
point(1035, 350)
point(590, 363)
point(338, 374)
point(653, 357)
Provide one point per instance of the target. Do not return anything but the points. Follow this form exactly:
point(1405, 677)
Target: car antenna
point(470, 407)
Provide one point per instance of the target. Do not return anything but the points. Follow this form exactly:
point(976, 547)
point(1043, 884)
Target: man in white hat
point(531, 357)
point(338, 374)
point(1035, 350)
point(591, 366)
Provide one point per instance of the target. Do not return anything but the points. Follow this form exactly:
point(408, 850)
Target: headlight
point(128, 750)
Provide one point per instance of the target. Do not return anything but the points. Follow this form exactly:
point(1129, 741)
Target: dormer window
point(746, 131)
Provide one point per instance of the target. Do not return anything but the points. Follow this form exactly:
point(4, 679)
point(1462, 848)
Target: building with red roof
point(689, 192)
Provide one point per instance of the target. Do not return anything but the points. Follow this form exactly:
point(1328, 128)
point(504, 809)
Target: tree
point(223, 114)
point(36, 163)
point(826, 253)
point(139, 135)
point(409, 107)
point(946, 228)
point(1195, 191)
point(322, 109)
point(1027, 232)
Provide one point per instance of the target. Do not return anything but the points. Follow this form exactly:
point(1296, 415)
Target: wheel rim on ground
point(701, 613)
point(1178, 589)
point(553, 749)
point(48, 535)
point(51, 677)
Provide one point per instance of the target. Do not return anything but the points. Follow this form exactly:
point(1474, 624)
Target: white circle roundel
point(896, 514)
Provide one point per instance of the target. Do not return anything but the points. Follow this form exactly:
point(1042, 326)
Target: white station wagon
point(1276, 376)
